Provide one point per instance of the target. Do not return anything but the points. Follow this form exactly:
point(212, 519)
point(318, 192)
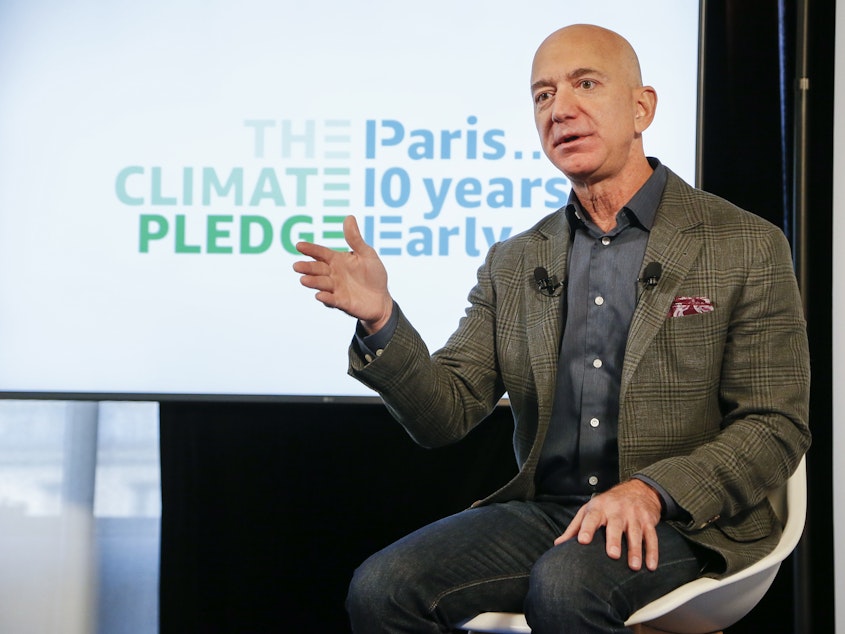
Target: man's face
point(586, 94)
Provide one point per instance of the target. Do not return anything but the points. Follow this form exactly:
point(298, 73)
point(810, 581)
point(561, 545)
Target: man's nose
point(564, 105)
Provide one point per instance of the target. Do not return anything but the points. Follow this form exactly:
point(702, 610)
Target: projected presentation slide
point(159, 160)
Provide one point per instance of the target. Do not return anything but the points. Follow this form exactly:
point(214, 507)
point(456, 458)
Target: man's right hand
point(354, 281)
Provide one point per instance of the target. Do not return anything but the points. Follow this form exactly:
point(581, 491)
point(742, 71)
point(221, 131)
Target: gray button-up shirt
point(579, 456)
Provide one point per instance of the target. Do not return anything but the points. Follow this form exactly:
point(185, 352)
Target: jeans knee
point(565, 586)
point(368, 588)
point(383, 590)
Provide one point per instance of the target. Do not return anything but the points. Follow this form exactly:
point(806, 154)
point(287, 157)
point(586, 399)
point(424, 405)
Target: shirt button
point(599, 300)
point(594, 422)
point(596, 363)
point(593, 480)
point(605, 240)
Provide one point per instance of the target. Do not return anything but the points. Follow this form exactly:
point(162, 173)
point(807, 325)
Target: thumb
point(352, 234)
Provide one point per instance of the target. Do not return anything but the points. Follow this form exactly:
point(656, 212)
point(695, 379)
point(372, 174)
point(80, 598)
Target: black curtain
point(267, 508)
point(748, 154)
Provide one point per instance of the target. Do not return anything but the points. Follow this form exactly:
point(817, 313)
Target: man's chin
point(575, 171)
point(574, 165)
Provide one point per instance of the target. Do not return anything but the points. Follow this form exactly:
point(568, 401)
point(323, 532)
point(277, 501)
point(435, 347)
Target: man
point(653, 412)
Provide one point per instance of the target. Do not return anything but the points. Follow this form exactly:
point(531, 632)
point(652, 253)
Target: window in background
point(80, 510)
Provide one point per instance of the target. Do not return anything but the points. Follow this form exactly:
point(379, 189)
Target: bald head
point(607, 44)
point(591, 108)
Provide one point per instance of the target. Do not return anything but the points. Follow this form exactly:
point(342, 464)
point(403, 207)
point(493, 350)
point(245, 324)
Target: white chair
point(704, 605)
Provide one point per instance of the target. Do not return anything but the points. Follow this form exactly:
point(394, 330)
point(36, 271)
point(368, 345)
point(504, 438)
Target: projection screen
point(159, 160)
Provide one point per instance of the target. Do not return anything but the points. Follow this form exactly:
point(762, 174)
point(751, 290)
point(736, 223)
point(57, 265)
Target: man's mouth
point(566, 139)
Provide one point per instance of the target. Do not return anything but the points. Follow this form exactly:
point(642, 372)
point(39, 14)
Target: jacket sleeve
point(439, 398)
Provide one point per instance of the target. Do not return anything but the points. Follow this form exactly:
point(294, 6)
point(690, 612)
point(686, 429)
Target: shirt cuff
point(670, 508)
point(371, 346)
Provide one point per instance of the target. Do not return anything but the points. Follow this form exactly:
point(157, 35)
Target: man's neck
point(603, 199)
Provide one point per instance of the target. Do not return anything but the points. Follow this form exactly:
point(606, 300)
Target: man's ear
point(646, 105)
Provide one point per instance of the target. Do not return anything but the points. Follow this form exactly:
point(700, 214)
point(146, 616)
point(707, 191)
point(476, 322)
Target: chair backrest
point(705, 604)
point(708, 605)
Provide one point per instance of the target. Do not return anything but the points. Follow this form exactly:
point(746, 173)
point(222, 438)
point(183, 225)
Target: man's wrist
point(669, 509)
point(372, 327)
point(372, 345)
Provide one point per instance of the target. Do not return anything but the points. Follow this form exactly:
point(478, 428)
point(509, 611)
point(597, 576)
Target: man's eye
point(587, 84)
point(543, 96)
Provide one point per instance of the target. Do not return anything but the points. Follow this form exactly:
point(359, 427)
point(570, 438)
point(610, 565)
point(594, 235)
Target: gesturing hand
point(354, 281)
point(632, 508)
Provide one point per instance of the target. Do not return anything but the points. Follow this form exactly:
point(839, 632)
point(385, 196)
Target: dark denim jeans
point(501, 558)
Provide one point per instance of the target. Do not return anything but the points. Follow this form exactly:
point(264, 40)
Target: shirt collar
point(641, 209)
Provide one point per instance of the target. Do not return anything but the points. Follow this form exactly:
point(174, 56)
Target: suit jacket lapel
point(676, 247)
point(544, 314)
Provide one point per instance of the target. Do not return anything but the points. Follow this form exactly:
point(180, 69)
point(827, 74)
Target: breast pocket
point(691, 346)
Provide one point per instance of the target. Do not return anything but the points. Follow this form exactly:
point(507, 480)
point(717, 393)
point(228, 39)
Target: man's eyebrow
point(541, 83)
point(580, 72)
point(574, 74)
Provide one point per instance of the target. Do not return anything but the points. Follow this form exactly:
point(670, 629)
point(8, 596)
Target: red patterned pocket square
point(683, 306)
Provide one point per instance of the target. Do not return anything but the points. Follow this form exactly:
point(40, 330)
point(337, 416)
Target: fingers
point(613, 541)
point(572, 529)
point(638, 538)
point(635, 540)
point(352, 280)
point(590, 523)
point(351, 234)
point(317, 272)
point(318, 282)
point(311, 267)
point(651, 549)
point(314, 274)
point(635, 547)
point(623, 516)
point(316, 251)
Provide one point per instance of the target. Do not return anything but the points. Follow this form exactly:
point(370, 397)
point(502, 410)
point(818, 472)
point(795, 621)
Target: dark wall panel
point(267, 509)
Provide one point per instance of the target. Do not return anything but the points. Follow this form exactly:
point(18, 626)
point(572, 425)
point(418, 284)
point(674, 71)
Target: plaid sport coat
point(713, 404)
